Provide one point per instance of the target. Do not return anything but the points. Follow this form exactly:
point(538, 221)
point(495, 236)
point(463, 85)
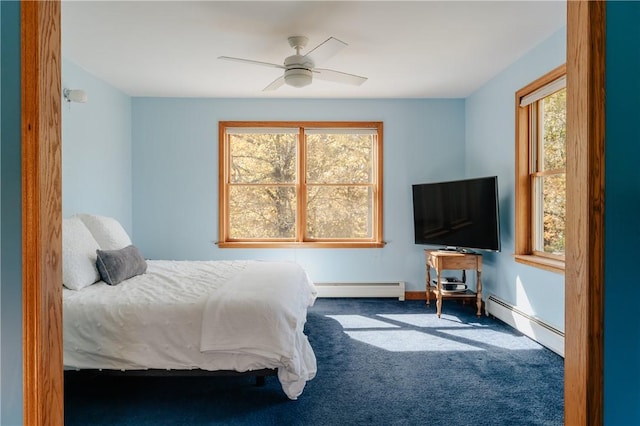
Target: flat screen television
point(458, 215)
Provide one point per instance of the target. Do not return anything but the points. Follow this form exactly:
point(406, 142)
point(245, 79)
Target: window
point(312, 184)
point(541, 171)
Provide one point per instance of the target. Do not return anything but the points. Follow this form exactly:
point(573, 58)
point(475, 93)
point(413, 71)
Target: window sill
point(270, 244)
point(552, 265)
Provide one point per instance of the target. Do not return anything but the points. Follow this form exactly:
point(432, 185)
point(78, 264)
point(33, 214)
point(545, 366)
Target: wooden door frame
point(43, 385)
point(584, 261)
point(41, 220)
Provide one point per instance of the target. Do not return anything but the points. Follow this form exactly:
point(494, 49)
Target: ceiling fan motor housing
point(298, 71)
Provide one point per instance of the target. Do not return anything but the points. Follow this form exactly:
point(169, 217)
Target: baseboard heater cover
point(530, 326)
point(371, 289)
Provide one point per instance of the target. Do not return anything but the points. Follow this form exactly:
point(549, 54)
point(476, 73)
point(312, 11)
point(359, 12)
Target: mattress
point(155, 320)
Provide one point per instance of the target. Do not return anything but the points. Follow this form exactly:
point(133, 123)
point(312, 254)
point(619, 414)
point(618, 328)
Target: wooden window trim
point(524, 252)
point(300, 241)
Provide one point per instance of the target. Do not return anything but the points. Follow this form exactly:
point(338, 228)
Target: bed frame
point(260, 375)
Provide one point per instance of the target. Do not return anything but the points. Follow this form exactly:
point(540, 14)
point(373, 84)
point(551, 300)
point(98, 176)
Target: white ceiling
point(415, 49)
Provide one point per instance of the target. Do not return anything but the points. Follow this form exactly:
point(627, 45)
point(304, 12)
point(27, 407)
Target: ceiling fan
point(300, 70)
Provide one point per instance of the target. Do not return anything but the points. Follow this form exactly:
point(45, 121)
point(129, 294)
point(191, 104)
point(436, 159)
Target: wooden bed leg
point(260, 380)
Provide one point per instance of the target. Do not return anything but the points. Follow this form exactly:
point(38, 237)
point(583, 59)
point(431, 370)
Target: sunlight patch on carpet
point(496, 338)
point(409, 341)
point(428, 320)
point(359, 321)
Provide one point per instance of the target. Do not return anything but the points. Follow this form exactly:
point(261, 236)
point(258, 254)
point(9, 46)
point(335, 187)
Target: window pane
point(554, 131)
point(262, 212)
point(339, 212)
point(339, 158)
point(263, 158)
point(553, 207)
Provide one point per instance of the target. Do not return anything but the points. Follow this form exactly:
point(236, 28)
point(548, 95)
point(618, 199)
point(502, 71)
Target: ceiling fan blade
point(275, 84)
point(338, 77)
point(326, 50)
point(249, 61)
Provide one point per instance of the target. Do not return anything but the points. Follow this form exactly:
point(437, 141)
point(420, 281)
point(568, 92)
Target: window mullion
point(550, 172)
point(225, 180)
point(538, 214)
point(537, 217)
point(533, 156)
point(534, 142)
point(301, 188)
point(377, 188)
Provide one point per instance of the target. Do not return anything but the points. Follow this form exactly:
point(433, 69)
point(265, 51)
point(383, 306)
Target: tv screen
point(460, 215)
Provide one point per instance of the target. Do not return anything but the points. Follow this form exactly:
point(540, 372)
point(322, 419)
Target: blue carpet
point(380, 362)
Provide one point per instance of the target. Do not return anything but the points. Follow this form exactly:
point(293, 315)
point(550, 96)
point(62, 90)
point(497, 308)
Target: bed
point(209, 316)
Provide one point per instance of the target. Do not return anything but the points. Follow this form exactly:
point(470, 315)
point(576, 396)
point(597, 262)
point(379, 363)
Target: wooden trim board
point(584, 261)
point(41, 214)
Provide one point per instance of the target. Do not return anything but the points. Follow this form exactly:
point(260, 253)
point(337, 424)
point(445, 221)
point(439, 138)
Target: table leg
point(428, 285)
point(438, 295)
point(479, 295)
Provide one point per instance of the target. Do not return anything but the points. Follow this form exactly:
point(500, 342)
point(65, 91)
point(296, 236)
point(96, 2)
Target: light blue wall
point(96, 149)
point(490, 150)
point(175, 178)
point(10, 218)
point(622, 227)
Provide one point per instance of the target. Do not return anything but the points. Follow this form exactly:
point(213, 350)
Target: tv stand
point(442, 260)
point(457, 249)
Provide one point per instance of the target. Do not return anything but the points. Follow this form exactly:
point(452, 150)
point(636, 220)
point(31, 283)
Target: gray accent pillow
point(116, 266)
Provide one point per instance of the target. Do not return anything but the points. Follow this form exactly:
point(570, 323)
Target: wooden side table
point(441, 260)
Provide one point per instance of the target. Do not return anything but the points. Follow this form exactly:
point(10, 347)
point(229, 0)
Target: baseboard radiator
point(528, 325)
point(371, 289)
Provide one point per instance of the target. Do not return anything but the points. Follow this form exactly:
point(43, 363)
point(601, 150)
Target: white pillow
point(107, 231)
point(78, 255)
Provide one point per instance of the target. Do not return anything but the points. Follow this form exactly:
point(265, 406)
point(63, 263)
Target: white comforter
point(210, 315)
point(258, 312)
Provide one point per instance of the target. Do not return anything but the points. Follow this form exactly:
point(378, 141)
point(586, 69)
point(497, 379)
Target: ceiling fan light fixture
point(298, 77)
point(299, 70)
